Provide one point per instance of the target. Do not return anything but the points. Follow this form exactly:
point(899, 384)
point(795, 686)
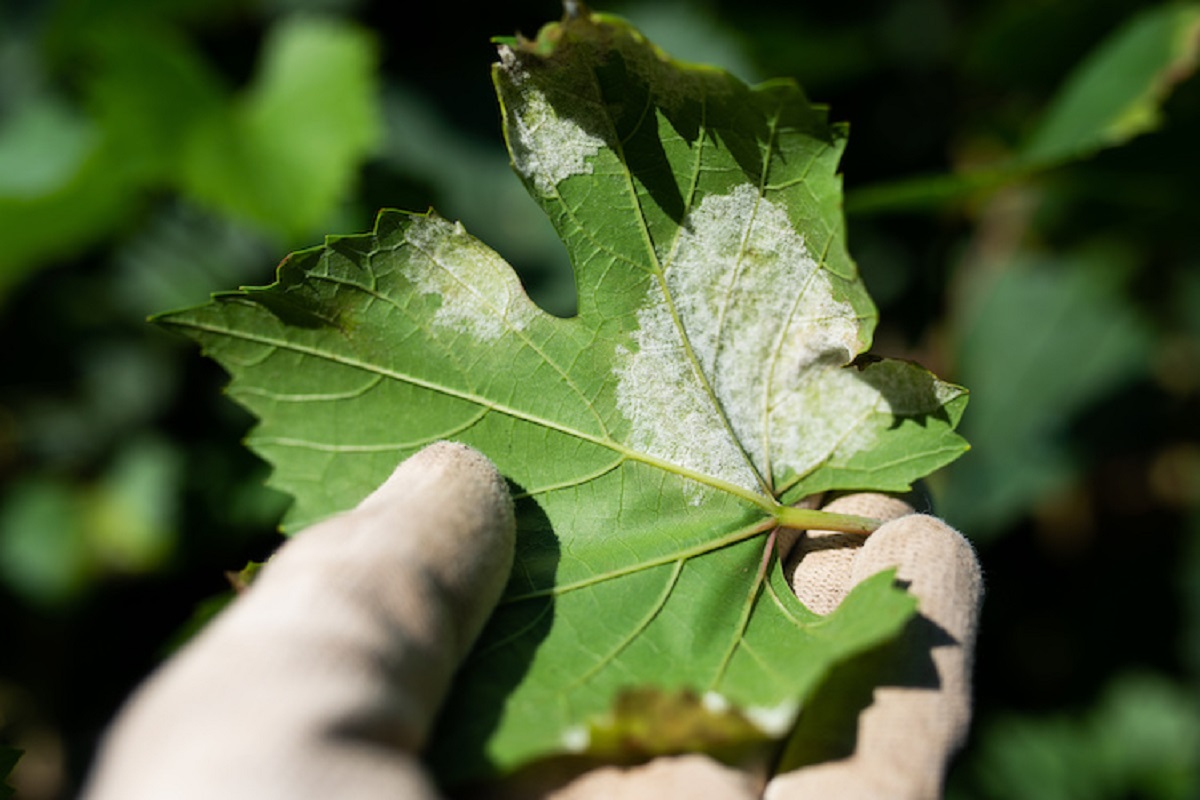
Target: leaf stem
point(811, 519)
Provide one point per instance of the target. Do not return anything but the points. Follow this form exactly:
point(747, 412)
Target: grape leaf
point(655, 440)
point(1115, 94)
point(8, 760)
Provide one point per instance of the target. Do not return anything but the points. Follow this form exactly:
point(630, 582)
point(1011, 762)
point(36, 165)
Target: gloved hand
point(323, 680)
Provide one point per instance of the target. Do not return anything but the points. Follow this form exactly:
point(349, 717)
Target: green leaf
point(1118, 91)
point(61, 191)
point(1114, 95)
point(57, 536)
point(1141, 738)
point(68, 179)
point(655, 440)
point(41, 146)
point(288, 152)
point(1041, 313)
point(149, 91)
point(8, 760)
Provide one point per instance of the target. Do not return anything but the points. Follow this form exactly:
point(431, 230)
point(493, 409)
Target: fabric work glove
point(324, 678)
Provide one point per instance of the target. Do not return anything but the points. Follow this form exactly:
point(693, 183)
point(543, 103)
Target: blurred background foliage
point(1023, 195)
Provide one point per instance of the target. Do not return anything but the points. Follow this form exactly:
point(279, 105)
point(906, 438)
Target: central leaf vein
point(659, 270)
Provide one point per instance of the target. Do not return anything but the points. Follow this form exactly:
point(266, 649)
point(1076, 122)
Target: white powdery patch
point(771, 720)
point(769, 337)
point(512, 65)
point(576, 739)
point(480, 293)
point(671, 416)
point(715, 702)
point(775, 720)
point(547, 148)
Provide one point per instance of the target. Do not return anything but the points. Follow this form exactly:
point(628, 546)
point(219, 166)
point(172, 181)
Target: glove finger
point(665, 777)
point(940, 568)
point(819, 565)
point(918, 713)
point(327, 672)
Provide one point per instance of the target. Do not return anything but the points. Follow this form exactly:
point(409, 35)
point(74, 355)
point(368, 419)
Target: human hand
point(327, 674)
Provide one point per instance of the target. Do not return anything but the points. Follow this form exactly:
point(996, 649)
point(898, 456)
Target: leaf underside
point(649, 440)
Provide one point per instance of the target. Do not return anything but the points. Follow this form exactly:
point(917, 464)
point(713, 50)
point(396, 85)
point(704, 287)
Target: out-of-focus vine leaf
point(71, 175)
point(1142, 739)
point(8, 759)
point(288, 151)
point(56, 535)
point(61, 190)
point(1118, 91)
point(655, 440)
point(1048, 336)
point(148, 90)
point(1114, 95)
point(41, 146)
point(156, 116)
point(182, 255)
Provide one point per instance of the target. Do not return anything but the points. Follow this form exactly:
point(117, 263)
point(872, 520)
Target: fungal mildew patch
point(479, 292)
point(769, 336)
point(546, 147)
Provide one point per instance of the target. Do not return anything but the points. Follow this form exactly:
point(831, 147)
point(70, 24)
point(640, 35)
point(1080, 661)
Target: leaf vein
point(636, 631)
point(327, 447)
point(579, 481)
point(741, 534)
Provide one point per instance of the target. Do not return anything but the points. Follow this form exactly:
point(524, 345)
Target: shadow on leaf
point(501, 657)
point(827, 729)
